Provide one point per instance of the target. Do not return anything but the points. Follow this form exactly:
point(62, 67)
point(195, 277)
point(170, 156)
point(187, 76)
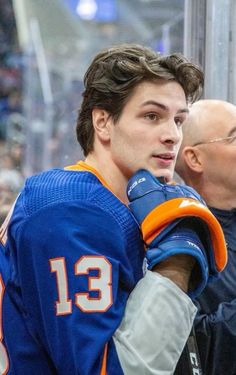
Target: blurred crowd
point(11, 111)
point(49, 139)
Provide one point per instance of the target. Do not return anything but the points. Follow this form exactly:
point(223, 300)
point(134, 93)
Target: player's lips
point(165, 159)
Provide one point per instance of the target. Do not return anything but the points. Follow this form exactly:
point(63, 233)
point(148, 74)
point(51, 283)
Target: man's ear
point(101, 120)
point(192, 157)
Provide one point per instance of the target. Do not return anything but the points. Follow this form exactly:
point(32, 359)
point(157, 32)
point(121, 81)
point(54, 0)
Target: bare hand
point(177, 268)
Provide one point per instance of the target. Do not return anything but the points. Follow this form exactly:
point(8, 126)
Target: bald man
point(207, 162)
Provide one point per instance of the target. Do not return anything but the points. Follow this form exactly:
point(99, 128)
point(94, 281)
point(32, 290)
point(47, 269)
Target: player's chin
point(166, 173)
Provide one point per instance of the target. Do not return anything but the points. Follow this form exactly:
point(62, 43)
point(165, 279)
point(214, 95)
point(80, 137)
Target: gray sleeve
point(155, 327)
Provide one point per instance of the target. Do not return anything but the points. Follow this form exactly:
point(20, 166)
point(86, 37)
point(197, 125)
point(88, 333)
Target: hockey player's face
point(148, 133)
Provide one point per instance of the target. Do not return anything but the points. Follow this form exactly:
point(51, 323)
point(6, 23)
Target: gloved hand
point(174, 219)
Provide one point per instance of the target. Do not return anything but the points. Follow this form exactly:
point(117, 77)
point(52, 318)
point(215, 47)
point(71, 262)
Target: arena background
point(46, 45)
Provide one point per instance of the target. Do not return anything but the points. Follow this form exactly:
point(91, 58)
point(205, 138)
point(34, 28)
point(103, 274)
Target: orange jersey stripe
point(104, 362)
point(82, 166)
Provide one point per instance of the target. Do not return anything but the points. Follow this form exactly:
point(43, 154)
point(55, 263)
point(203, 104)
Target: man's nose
point(171, 133)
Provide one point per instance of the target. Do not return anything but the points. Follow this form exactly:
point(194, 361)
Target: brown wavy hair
point(115, 72)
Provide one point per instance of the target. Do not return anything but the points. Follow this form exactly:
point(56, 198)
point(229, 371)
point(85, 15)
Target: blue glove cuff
point(166, 250)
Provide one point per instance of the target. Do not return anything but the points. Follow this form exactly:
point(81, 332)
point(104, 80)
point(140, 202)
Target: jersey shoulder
point(59, 187)
point(56, 186)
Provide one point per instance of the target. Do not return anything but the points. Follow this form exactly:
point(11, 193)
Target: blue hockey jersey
point(75, 255)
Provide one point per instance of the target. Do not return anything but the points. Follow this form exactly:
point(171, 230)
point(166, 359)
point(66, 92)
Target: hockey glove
point(174, 219)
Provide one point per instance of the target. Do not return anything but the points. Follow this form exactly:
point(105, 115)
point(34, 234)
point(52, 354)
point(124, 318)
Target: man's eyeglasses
point(229, 140)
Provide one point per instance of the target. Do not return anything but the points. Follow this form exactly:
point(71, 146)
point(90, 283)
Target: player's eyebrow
point(163, 106)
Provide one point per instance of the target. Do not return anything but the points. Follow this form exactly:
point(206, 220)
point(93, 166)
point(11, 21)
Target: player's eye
point(151, 116)
point(179, 122)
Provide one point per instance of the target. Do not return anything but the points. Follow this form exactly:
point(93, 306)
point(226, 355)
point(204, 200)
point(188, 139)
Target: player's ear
point(192, 157)
point(101, 120)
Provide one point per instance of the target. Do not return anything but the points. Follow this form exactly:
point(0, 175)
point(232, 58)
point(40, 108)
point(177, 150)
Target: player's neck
point(111, 174)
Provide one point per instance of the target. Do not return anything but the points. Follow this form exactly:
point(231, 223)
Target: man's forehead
point(161, 93)
point(210, 118)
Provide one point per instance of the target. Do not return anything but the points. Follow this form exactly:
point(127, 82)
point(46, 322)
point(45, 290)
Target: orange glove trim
point(173, 209)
